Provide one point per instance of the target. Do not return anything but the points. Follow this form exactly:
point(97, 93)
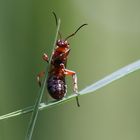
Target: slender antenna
point(75, 31)
point(56, 21)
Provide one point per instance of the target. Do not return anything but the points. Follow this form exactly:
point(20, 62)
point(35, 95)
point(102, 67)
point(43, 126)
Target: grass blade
point(38, 101)
point(112, 77)
point(90, 89)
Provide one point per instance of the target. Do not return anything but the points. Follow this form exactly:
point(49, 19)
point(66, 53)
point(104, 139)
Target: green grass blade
point(112, 77)
point(90, 89)
point(38, 101)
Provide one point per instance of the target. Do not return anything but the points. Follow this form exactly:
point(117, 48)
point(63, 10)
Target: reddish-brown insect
point(56, 84)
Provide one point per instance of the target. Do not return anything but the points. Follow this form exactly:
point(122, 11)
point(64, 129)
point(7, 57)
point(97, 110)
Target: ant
point(56, 84)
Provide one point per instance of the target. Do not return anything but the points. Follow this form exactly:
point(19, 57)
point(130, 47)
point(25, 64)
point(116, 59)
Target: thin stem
point(35, 108)
point(90, 89)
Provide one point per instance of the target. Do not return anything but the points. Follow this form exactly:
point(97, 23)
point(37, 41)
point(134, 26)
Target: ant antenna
point(56, 21)
point(75, 31)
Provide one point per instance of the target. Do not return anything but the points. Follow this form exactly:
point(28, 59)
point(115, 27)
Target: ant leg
point(74, 77)
point(45, 57)
point(65, 54)
point(41, 74)
point(62, 55)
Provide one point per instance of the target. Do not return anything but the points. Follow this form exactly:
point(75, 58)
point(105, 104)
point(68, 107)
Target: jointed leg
point(75, 87)
point(45, 57)
point(74, 77)
point(62, 55)
point(41, 74)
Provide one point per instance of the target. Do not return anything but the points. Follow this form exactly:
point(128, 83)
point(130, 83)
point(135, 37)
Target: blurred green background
point(109, 42)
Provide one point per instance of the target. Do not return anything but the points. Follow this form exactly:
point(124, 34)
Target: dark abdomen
point(56, 87)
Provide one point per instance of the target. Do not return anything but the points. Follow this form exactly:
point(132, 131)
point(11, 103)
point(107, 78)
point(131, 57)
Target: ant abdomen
point(56, 87)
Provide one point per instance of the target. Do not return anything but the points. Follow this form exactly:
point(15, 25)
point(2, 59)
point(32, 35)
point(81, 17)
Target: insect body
point(56, 84)
point(56, 78)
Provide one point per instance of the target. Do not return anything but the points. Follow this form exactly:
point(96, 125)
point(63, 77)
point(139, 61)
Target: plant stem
point(90, 89)
point(38, 100)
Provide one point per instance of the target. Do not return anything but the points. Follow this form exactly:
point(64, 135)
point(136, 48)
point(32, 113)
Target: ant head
point(62, 43)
